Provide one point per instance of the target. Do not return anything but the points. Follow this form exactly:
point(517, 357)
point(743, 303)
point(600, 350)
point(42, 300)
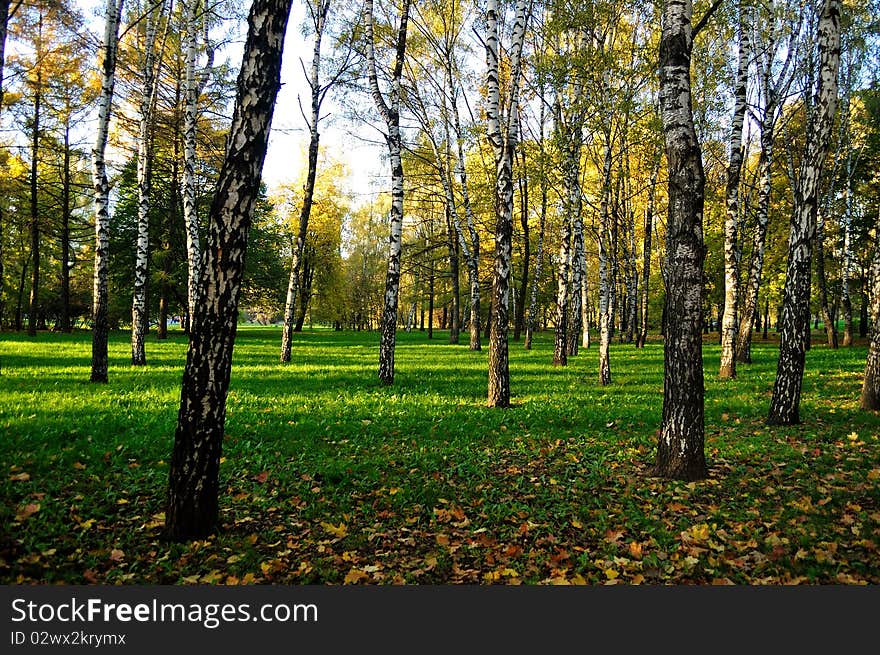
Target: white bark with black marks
point(680, 453)
point(194, 82)
point(503, 134)
point(729, 327)
point(139, 315)
point(606, 278)
point(101, 187)
point(870, 399)
point(794, 324)
point(390, 112)
point(319, 10)
point(192, 501)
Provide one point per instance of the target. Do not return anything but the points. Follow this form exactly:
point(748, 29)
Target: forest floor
point(327, 477)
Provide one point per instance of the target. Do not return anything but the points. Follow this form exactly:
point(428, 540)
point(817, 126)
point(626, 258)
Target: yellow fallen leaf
point(340, 530)
point(20, 477)
point(611, 574)
point(577, 524)
point(354, 576)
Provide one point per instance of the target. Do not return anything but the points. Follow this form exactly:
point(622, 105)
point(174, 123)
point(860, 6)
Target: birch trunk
point(871, 384)
point(139, 315)
point(193, 84)
point(320, 10)
point(822, 281)
point(846, 267)
point(680, 447)
point(192, 502)
point(66, 183)
point(390, 112)
point(100, 328)
point(470, 251)
point(539, 255)
point(606, 278)
point(520, 298)
point(729, 328)
point(578, 261)
point(502, 131)
point(794, 325)
point(646, 256)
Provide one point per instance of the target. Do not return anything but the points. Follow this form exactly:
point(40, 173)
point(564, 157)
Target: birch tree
point(794, 325)
point(192, 500)
point(139, 316)
point(732, 220)
point(502, 132)
point(680, 447)
point(318, 12)
point(195, 23)
point(389, 109)
point(870, 399)
point(774, 53)
point(101, 186)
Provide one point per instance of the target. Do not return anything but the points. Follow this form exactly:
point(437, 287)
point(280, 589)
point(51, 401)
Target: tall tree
point(139, 315)
point(775, 55)
point(195, 23)
point(390, 112)
point(318, 12)
point(794, 325)
point(732, 220)
point(37, 85)
point(503, 133)
point(871, 383)
point(680, 447)
point(192, 502)
point(100, 326)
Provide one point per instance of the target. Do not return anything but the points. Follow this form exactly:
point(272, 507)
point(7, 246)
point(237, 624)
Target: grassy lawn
point(329, 478)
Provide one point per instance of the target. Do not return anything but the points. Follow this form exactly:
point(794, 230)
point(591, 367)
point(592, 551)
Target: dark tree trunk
point(4, 20)
point(192, 504)
point(33, 307)
point(431, 302)
point(680, 447)
point(21, 284)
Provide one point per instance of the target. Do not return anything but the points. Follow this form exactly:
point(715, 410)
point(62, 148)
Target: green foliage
point(329, 478)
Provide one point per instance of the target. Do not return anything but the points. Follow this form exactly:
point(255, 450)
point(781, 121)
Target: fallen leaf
point(20, 477)
point(354, 576)
point(340, 530)
point(117, 555)
point(27, 511)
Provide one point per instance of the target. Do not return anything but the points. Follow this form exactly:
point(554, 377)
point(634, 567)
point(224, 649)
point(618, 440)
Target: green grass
point(328, 477)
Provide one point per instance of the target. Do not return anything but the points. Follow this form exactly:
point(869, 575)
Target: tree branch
point(705, 19)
